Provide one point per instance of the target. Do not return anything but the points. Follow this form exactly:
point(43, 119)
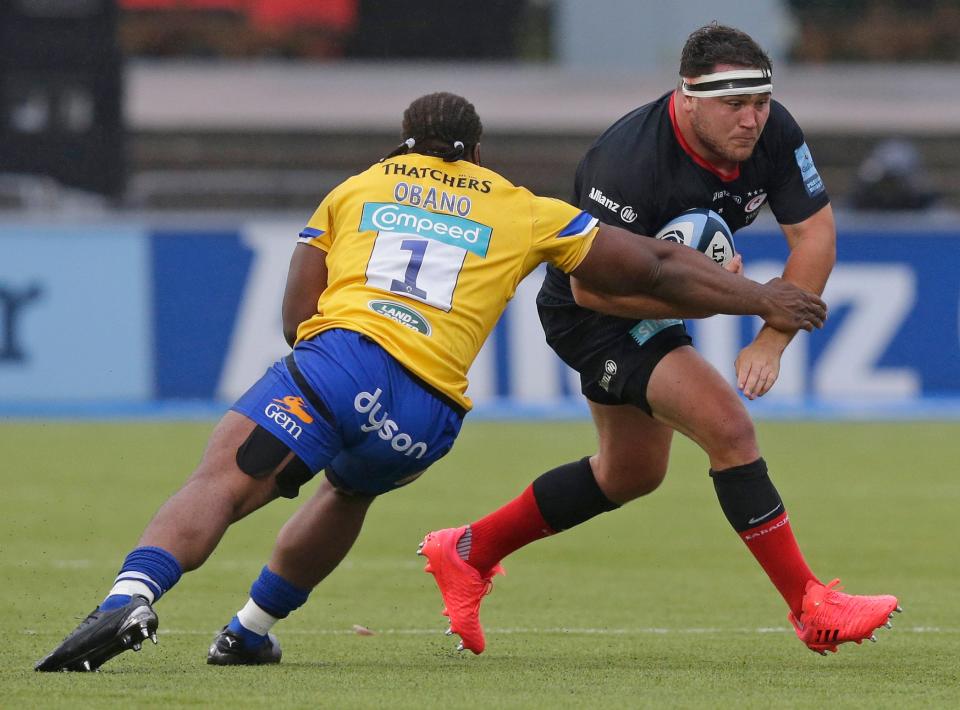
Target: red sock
point(775, 548)
point(505, 530)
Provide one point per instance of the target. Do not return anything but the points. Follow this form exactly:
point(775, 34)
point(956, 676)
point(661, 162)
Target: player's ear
point(475, 154)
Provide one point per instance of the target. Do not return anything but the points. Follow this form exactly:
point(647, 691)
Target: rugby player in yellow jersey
point(398, 279)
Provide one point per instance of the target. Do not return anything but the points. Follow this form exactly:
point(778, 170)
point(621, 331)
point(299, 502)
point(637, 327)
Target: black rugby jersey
point(639, 174)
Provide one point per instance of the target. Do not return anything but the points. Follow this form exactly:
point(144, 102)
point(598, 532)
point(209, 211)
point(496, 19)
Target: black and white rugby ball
point(701, 229)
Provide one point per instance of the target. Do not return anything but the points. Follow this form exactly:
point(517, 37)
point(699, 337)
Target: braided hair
point(443, 125)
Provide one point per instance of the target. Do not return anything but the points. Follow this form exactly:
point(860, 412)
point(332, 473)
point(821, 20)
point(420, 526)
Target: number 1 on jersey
point(417, 248)
point(425, 270)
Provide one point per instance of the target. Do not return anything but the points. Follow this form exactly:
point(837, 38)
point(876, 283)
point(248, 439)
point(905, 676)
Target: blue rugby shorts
point(380, 426)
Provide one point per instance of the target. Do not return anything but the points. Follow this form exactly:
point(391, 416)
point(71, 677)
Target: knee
point(624, 481)
point(734, 437)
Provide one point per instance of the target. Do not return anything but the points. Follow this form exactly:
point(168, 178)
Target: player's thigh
point(219, 473)
point(633, 451)
point(686, 393)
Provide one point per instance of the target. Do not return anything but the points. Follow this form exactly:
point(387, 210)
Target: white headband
point(729, 83)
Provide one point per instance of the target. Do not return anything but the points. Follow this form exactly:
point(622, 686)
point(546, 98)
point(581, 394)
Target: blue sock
point(275, 595)
point(147, 571)
point(271, 598)
point(251, 641)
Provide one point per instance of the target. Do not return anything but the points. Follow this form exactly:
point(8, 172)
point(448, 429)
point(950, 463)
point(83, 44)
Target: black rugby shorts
point(614, 367)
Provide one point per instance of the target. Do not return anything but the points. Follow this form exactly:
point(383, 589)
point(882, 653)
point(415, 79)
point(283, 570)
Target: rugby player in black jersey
point(718, 141)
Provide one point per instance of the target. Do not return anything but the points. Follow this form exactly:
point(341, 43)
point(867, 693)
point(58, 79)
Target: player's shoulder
point(780, 114)
point(782, 122)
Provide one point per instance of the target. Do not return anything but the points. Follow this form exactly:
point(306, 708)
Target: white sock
point(123, 584)
point(255, 619)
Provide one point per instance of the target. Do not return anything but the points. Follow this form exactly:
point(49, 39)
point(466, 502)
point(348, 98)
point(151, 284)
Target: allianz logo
point(596, 194)
point(405, 219)
point(386, 428)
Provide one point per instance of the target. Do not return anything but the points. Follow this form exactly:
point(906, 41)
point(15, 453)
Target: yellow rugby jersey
point(423, 256)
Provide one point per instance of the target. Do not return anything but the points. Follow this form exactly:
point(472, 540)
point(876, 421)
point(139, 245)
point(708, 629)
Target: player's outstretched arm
point(619, 263)
point(640, 306)
point(306, 280)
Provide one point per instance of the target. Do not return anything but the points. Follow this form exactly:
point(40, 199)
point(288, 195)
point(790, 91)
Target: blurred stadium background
point(158, 157)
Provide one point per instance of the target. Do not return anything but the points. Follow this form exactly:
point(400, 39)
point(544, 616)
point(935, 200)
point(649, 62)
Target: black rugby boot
point(227, 649)
point(103, 635)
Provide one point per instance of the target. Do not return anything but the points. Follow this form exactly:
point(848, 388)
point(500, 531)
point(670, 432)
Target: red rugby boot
point(461, 585)
point(829, 617)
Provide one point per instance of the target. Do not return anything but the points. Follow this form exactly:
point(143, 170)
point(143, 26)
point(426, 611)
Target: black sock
point(746, 494)
point(569, 495)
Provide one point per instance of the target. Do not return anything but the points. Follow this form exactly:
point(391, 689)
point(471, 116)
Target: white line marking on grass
point(561, 630)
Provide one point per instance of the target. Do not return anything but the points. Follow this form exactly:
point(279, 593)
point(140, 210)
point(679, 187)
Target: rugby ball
point(703, 230)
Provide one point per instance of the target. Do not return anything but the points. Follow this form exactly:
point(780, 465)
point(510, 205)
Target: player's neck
point(692, 144)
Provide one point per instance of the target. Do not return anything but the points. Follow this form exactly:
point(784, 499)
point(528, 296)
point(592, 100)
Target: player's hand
point(758, 366)
point(790, 308)
point(735, 265)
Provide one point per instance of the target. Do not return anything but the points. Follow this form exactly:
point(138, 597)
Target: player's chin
point(740, 151)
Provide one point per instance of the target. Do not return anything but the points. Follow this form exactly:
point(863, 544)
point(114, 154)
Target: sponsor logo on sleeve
point(628, 215)
point(402, 314)
point(808, 171)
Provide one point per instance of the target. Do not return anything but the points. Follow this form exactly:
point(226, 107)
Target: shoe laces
point(833, 592)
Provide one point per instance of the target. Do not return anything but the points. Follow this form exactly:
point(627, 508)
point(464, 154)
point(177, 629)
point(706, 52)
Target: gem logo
point(628, 214)
point(279, 410)
point(295, 406)
point(402, 314)
point(405, 219)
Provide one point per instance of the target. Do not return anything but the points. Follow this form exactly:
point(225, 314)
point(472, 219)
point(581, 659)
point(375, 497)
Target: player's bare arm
point(620, 264)
point(640, 306)
point(812, 255)
point(306, 280)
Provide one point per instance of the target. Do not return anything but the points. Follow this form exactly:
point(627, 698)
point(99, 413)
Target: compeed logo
point(445, 228)
point(402, 314)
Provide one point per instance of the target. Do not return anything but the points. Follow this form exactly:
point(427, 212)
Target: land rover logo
point(404, 315)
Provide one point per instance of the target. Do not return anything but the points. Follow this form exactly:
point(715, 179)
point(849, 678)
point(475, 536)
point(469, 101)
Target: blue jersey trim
point(310, 233)
point(579, 225)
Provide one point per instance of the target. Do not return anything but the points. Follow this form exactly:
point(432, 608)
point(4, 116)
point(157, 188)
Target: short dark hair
point(436, 121)
point(715, 44)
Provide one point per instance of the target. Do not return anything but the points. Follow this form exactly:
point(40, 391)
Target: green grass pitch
point(655, 605)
